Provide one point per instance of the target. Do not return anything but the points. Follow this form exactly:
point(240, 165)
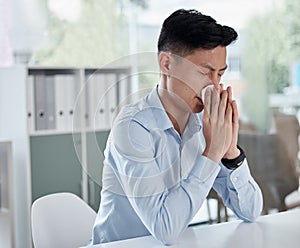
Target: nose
point(214, 78)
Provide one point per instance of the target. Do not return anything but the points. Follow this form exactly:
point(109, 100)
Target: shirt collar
point(194, 124)
point(163, 121)
point(161, 118)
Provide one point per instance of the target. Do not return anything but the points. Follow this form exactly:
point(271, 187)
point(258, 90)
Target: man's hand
point(233, 151)
point(218, 127)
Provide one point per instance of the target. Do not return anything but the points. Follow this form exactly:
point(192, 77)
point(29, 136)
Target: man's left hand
point(233, 151)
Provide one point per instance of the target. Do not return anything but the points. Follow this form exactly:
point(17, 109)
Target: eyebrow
point(208, 66)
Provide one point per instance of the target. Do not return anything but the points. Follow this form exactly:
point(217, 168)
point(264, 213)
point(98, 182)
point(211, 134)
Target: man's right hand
point(217, 123)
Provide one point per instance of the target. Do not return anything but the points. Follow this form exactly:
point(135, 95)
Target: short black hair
point(186, 30)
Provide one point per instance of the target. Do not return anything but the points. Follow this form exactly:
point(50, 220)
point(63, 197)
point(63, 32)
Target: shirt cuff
point(240, 176)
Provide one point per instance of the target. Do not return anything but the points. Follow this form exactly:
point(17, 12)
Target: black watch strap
point(234, 163)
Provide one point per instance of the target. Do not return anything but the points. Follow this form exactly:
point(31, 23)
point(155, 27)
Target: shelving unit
point(70, 111)
point(58, 120)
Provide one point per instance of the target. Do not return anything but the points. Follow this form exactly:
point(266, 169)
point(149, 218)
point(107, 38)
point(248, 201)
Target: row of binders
point(105, 93)
point(62, 102)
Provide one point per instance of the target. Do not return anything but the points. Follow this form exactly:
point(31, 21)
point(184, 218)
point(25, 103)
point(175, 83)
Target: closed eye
point(204, 73)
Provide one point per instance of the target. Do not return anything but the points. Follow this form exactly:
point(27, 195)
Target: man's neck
point(178, 123)
point(178, 117)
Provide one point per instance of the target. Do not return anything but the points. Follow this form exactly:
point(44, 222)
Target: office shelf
point(58, 120)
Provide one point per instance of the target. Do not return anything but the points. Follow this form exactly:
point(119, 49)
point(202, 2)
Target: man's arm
point(240, 192)
point(237, 187)
point(164, 207)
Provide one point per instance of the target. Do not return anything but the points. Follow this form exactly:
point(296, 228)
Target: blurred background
point(67, 66)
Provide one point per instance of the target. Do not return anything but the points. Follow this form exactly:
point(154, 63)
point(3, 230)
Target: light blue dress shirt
point(155, 181)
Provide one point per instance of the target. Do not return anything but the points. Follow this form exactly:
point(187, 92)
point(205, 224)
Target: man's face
point(191, 74)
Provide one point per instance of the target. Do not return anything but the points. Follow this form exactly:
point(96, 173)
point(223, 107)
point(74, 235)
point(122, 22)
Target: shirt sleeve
point(240, 192)
point(165, 209)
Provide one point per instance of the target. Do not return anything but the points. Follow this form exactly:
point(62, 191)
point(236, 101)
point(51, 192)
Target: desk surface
point(276, 230)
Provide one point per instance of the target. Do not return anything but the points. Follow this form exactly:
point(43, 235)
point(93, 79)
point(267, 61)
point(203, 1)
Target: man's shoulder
point(129, 111)
point(141, 112)
point(130, 130)
point(137, 112)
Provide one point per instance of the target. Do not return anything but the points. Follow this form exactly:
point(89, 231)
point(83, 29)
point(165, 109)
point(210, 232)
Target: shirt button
point(235, 179)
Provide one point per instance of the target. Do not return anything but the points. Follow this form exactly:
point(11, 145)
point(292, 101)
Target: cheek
point(196, 81)
point(186, 82)
point(195, 85)
point(181, 90)
point(189, 82)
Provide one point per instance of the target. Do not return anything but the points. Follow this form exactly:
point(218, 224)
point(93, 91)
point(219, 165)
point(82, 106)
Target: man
point(168, 150)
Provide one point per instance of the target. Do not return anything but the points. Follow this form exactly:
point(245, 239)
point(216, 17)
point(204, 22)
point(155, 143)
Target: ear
point(164, 60)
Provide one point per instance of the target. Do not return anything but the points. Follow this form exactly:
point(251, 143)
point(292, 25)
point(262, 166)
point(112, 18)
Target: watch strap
point(234, 163)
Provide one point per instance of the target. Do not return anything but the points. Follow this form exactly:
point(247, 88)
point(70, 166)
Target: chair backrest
point(271, 167)
point(288, 130)
point(61, 220)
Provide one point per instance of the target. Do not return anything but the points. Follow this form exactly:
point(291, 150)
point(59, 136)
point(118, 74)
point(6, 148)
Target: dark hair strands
point(186, 30)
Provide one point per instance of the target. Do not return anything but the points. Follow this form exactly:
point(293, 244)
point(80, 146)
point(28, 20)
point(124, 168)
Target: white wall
point(13, 127)
point(27, 24)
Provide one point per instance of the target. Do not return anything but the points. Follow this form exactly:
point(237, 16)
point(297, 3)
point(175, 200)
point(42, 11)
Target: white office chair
point(61, 220)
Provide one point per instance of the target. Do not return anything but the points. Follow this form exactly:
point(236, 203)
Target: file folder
point(44, 102)
point(30, 104)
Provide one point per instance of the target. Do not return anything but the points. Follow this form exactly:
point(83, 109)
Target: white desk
point(276, 231)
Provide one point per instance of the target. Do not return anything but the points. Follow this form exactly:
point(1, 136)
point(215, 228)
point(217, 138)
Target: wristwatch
point(235, 162)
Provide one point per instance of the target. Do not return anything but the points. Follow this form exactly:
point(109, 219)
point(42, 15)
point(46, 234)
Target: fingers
point(215, 102)
point(207, 101)
point(229, 114)
point(206, 120)
point(223, 106)
point(220, 121)
point(229, 90)
point(235, 114)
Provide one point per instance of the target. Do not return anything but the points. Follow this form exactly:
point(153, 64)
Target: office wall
point(13, 127)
